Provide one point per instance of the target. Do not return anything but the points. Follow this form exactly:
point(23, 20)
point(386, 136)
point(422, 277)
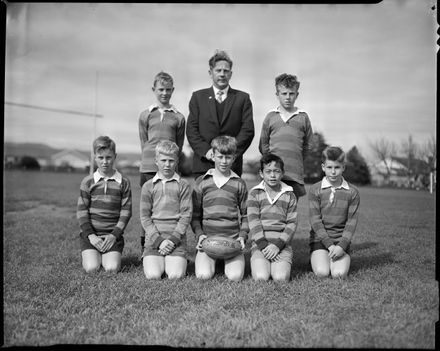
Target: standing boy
point(219, 110)
point(286, 132)
point(272, 219)
point(103, 211)
point(219, 200)
point(165, 211)
point(333, 214)
point(161, 121)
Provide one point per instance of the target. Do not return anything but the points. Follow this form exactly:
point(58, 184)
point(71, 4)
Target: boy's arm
point(125, 212)
point(352, 218)
point(308, 133)
point(185, 213)
point(247, 130)
point(146, 209)
point(180, 133)
point(242, 198)
point(263, 145)
point(256, 231)
point(197, 200)
point(195, 139)
point(315, 218)
point(143, 128)
point(291, 223)
point(82, 211)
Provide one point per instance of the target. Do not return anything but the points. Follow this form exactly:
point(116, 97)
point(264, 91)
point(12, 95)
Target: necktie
point(220, 96)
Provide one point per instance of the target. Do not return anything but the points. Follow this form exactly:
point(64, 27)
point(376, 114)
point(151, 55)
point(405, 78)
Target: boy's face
point(105, 159)
point(333, 171)
point(221, 74)
point(272, 174)
point(223, 162)
point(166, 164)
point(287, 97)
point(163, 91)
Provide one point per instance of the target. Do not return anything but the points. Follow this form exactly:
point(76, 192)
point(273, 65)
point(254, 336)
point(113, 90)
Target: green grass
point(389, 300)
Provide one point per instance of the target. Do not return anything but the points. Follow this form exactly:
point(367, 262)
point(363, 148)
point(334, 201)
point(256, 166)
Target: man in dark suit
point(210, 116)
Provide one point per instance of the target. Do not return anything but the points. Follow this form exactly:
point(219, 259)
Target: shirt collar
point(211, 173)
point(289, 116)
point(159, 176)
point(116, 177)
point(284, 188)
point(153, 107)
point(326, 184)
point(225, 91)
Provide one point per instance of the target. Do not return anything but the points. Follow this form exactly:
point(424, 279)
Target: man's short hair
point(287, 80)
point(219, 55)
point(163, 77)
point(269, 158)
point(102, 143)
point(333, 153)
point(167, 147)
point(225, 144)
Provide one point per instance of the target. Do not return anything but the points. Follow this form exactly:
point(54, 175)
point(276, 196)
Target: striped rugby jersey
point(165, 209)
point(289, 140)
point(104, 204)
point(271, 221)
point(155, 125)
point(334, 220)
point(220, 210)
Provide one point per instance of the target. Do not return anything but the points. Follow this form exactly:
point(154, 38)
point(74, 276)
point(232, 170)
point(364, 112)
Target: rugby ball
point(221, 247)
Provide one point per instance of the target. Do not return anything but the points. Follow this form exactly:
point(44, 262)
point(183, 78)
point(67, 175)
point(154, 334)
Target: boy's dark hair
point(287, 80)
point(102, 143)
point(224, 144)
point(163, 77)
point(269, 158)
point(219, 55)
point(333, 153)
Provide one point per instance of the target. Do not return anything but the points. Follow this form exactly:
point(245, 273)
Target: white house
point(70, 158)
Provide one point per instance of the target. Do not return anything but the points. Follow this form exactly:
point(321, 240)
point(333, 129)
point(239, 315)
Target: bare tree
point(410, 150)
point(428, 152)
point(383, 150)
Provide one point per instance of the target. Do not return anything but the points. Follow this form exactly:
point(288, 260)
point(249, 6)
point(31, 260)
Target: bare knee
point(281, 277)
point(112, 268)
point(339, 274)
point(321, 272)
point(175, 275)
point(204, 275)
point(260, 275)
point(153, 275)
point(91, 268)
point(235, 276)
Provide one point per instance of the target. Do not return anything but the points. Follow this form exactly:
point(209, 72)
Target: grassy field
point(389, 300)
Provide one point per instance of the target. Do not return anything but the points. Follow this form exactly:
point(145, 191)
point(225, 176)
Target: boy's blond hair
point(167, 147)
point(102, 143)
point(163, 77)
point(224, 144)
point(333, 153)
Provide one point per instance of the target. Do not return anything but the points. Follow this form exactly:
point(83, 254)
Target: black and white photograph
point(220, 175)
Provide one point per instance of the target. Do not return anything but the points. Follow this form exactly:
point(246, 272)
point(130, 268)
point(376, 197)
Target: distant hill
point(29, 149)
point(40, 150)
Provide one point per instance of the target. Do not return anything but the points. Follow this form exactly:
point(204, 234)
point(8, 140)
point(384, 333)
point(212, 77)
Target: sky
point(367, 71)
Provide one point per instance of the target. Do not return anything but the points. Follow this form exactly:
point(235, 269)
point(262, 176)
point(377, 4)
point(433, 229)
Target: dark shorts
point(320, 246)
point(145, 177)
point(85, 244)
point(298, 189)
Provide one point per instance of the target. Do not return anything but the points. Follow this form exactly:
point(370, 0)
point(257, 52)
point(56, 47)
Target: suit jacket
point(203, 125)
